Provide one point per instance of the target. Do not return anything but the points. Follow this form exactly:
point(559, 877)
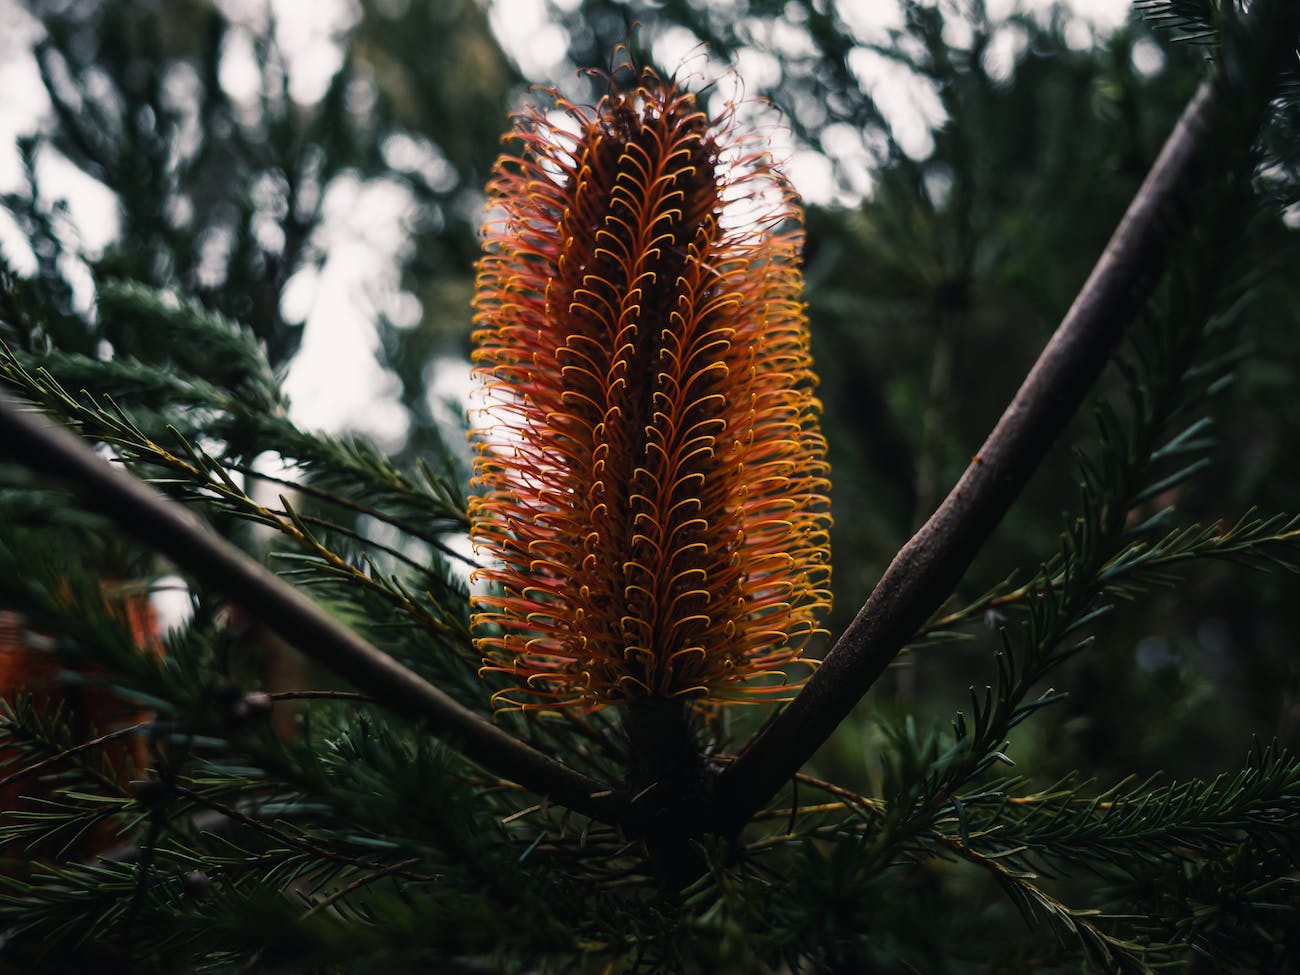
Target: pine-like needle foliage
point(238, 809)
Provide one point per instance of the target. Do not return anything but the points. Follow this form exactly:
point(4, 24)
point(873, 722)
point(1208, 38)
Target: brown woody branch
point(198, 551)
point(927, 569)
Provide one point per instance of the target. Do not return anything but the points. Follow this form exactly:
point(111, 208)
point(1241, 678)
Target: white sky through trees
point(335, 382)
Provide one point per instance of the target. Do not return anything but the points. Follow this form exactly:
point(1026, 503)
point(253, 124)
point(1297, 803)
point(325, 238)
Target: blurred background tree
point(947, 244)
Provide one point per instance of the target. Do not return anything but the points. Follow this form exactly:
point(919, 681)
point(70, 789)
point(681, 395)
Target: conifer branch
point(1102, 949)
point(35, 768)
point(929, 566)
point(1133, 825)
point(1252, 541)
point(194, 548)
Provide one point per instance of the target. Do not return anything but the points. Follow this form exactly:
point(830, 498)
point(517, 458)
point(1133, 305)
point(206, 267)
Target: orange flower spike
point(651, 476)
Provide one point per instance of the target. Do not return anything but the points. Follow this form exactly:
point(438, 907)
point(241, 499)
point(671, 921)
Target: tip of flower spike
point(651, 475)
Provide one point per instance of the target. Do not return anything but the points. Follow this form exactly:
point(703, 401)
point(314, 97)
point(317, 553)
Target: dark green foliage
point(1085, 805)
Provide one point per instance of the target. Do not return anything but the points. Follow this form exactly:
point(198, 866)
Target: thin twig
point(356, 536)
point(789, 813)
point(197, 550)
point(44, 763)
point(298, 843)
point(320, 696)
point(303, 487)
point(1020, 882)
point(927, 569)
point(356, 885)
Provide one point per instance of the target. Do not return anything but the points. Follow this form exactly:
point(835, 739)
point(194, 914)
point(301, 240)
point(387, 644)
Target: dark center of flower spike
point(644, 212)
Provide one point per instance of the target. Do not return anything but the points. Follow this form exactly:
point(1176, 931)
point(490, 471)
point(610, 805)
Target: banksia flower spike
point(651, 478)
